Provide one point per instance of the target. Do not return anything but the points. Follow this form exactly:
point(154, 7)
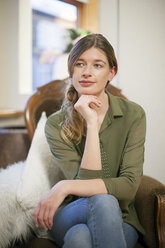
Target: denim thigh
point(77, 212)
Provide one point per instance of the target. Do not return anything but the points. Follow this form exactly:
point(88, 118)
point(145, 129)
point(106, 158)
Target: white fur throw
point(12, 219)
point(22, 185)
point(41, 171)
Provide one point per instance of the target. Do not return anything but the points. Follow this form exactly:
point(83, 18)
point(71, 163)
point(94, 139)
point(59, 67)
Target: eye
point(98, 65)
point(79, 64)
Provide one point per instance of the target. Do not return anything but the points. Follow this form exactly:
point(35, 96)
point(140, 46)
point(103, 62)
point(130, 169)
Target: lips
point(86, 83)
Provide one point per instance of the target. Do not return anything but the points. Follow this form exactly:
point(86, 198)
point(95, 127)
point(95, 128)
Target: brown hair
point(73, 126)
point(92, 40)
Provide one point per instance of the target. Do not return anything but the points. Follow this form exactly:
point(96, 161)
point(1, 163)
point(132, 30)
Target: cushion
point(40, 172)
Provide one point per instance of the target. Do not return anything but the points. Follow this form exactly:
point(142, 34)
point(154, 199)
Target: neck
point(104, 104)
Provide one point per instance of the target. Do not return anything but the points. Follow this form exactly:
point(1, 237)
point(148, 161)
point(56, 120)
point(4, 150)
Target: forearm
point(92, 158)
point(83, 188)
point(47, 207)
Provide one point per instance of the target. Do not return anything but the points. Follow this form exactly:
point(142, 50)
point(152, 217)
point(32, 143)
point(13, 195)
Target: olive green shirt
point(122, 137)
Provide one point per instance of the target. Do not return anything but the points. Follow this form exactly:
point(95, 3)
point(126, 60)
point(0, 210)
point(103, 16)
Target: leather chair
point(150, 198)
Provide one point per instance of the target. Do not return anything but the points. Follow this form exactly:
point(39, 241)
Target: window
point(50, 21)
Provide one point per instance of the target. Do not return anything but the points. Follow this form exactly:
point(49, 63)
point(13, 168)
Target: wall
point(136, 29)
point(15, 53)
point(8, 52)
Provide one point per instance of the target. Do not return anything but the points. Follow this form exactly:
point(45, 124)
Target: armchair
point(150, 198)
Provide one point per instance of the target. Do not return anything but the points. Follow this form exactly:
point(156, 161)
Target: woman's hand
point(87, 106)
point(47, 207)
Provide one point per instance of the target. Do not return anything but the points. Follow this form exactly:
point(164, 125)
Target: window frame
point(25, 46)
point(84, 21)
point(79, 9)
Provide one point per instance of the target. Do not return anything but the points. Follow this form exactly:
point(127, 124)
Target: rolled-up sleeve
point(124, 187)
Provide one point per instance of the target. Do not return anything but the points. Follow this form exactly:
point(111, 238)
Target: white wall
point(15, 53)
point(108, 26)
point(139, 37)
point(8, 52)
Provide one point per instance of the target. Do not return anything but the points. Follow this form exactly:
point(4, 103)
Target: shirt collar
point(115, 108)
point(113, 111)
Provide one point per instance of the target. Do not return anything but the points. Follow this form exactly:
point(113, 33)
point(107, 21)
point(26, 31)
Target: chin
point(86, 92)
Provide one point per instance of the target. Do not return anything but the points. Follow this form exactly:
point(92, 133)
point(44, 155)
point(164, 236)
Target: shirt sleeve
point(124, 187)
point(65, 154)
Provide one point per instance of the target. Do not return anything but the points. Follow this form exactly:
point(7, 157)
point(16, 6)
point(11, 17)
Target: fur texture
point(22, 185)
point(41, 171)
point(13, 220)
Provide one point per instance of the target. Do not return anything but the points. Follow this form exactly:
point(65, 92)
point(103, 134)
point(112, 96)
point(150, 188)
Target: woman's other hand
point(47, 207)
point(87, 106)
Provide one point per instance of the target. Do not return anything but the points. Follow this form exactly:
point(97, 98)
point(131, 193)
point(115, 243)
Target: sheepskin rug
point(14, 222)
point(22, 185)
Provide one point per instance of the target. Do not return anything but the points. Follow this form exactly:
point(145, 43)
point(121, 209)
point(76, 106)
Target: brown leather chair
point(150, 198)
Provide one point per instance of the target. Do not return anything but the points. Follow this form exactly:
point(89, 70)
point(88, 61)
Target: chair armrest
point(146, 206)
point(160, 220)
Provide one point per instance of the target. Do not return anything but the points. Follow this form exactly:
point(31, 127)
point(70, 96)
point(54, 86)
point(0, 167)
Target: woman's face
point(91, 72)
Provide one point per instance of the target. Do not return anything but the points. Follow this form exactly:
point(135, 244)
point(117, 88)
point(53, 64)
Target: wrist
point(67, 186)
point(92, 124)
point(63, 188)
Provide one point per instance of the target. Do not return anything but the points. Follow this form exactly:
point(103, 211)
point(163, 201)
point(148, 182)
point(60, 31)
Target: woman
point(98, 141)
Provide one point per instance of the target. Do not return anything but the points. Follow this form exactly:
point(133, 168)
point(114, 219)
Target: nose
point(86, 72)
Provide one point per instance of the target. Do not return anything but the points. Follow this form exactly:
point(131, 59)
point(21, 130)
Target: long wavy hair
point(73, 127)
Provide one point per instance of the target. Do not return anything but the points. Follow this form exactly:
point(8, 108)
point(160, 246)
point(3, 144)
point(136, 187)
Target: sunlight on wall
point(25, 48)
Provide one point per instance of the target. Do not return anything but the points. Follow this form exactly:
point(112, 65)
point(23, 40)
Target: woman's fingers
point(94, 105)
point(46, 208)
point(50, 218)
point(46, 218)
point(87, 106)
point(41, 216)
point(36, 213)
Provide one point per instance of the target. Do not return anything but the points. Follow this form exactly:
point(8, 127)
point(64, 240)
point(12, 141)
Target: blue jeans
point(92, 222)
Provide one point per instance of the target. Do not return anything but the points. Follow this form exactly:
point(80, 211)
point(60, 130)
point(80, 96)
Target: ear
point(112, 73)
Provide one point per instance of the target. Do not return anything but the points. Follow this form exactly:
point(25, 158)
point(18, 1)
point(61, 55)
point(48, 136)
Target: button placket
point(105, 167)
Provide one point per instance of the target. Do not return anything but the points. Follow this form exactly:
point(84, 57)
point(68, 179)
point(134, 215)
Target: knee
point(104, 201)
point(78, 236)
point(105, 205)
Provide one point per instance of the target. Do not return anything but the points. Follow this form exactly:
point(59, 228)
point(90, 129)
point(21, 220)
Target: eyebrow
point(95, 60)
